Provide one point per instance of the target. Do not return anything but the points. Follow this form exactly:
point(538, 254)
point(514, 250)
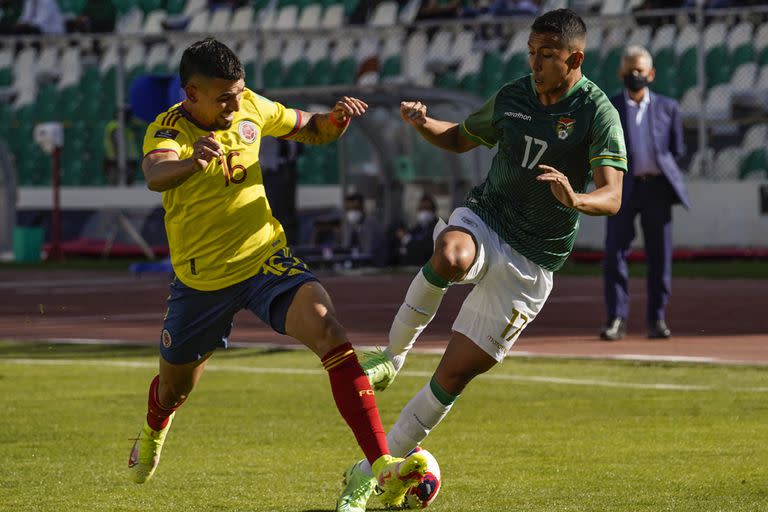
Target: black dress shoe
point(615, 330)
point(659, 331)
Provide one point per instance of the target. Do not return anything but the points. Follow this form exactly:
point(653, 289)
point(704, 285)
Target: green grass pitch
point(261, 434)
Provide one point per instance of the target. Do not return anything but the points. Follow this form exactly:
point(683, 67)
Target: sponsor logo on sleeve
point(166, 133)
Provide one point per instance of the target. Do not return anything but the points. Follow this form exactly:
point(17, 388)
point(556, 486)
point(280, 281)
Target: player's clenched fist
point(413, 112)
point(347, 108)
point(206, 148)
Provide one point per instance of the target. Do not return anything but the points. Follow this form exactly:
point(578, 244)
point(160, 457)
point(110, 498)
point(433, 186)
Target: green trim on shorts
point(432, 276)
point(442, 395)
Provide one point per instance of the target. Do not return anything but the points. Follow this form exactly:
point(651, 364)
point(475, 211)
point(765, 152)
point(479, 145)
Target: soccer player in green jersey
point(555, 130)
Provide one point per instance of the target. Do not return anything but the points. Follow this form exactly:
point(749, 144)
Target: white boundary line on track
point(432, 351)
point(297, 371)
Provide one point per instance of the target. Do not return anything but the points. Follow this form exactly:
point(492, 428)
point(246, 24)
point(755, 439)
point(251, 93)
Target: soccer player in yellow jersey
point(229, 253)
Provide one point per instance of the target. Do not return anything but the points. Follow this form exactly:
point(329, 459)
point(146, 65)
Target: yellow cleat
point(395, 476)
point(145, 455)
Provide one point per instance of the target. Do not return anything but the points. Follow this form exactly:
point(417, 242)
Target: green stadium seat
point(391, 67)
point(516, 66)
point(272, 73)
point(321, 72)
point(344, 72)
point(686, 70)
point(472, 83)
point(717, 66)
point(492, 69)
point(175, 6)
point(755, 162)
point(123, 6)
point(591, 65)
point(297, 74)
point(743, 54)
point(762, 59)
point(447, 80)
point(150, 5)
point(73, 7)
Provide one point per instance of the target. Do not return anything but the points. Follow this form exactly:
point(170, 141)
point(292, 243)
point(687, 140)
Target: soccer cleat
point(358, 488)
point(395, 476)
point(379, 369)
point(145, 454)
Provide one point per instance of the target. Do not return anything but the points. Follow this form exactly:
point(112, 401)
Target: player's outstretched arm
point(320, 128)
point(443, 134)
point(163, 170)
point(604, 200)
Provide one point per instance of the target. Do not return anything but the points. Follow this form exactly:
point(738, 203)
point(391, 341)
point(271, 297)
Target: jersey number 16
point(233, 173)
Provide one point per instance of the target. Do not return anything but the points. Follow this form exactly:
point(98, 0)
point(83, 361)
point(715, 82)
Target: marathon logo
point(518, 115)
point(166, 133)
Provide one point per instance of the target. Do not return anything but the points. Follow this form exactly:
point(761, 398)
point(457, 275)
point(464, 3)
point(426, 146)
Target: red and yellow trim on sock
point(337, 356)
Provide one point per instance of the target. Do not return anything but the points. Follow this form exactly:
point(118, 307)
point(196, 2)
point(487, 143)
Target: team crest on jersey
point(564, 127)
point(247, 131)
point(166, 338)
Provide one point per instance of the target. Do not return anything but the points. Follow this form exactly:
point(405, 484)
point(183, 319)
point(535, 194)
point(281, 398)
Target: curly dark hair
point(210, 58)
point(563, 22)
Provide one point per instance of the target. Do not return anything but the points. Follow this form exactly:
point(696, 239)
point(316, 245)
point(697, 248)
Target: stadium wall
point(724, 214)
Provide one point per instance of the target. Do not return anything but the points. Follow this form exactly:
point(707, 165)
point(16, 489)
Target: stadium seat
point(157, 59)
point(287, 18)
point(717, 66)
point(727, 164)
point(344, 72)
point(192, 7)
point(515, 67)
point(391, 69)
point(131, 22)
point(409, 12)
point(739, 43)
point(612, 7)
point(150, 5)
point(333, 17)
point(310, 17)
point(640, 35)
point(242, 19)
point(718, 103)
point(413, 64)
point(690, 105)
point(220, 20)
point(321, 72)
point(754, 165)
point(755, 137)
point(199, 23)
point(744, 77)
point(664, 37)
point(297, 74)
point(272, 73)
point(173, 7)
point(492, 70)
point(153, 23)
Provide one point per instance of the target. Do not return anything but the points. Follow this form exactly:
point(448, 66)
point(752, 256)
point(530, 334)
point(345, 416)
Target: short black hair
point(354, 198)
point(563, 22)
point(427, 198)
point(210, 58)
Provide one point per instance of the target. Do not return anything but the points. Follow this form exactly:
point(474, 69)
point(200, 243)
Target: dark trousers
point(652, 198)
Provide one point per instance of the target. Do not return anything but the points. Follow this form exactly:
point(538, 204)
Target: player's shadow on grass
point(374, 509)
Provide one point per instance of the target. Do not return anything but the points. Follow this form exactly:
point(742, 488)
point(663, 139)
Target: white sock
point(416, 421)
point(421, 303)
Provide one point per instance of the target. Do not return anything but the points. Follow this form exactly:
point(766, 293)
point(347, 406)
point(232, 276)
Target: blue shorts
point(198, 322)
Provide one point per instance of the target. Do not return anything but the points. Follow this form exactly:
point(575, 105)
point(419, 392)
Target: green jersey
point(578, 133)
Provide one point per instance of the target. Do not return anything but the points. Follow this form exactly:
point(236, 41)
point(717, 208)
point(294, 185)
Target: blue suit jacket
point(667, 130)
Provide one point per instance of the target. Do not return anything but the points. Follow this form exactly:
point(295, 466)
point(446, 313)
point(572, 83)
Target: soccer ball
point(425, 493)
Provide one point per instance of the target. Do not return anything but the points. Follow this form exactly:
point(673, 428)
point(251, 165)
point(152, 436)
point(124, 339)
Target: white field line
point(297, 371)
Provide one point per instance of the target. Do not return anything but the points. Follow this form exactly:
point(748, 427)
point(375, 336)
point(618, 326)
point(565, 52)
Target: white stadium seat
point(333, 17)
point(384, 14)
point(199, 22)
point(153, 23)
point(310, 17)
point(242, 19)
point(744, 78)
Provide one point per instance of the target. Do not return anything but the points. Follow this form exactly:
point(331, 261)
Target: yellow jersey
point(219, 224)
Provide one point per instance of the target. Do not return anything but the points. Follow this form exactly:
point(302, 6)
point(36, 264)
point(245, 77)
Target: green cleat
point(395, 476)
point(145, 455)
point(379, 369)
point(358, 488)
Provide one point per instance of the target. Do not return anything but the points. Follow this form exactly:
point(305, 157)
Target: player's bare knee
point(330, 335)
point(452, 259)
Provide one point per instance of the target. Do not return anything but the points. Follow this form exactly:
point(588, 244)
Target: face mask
point(354, 216)
point(635, 82)
point(425, 217)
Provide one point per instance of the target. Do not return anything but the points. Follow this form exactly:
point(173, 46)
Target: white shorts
point(509, 291)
